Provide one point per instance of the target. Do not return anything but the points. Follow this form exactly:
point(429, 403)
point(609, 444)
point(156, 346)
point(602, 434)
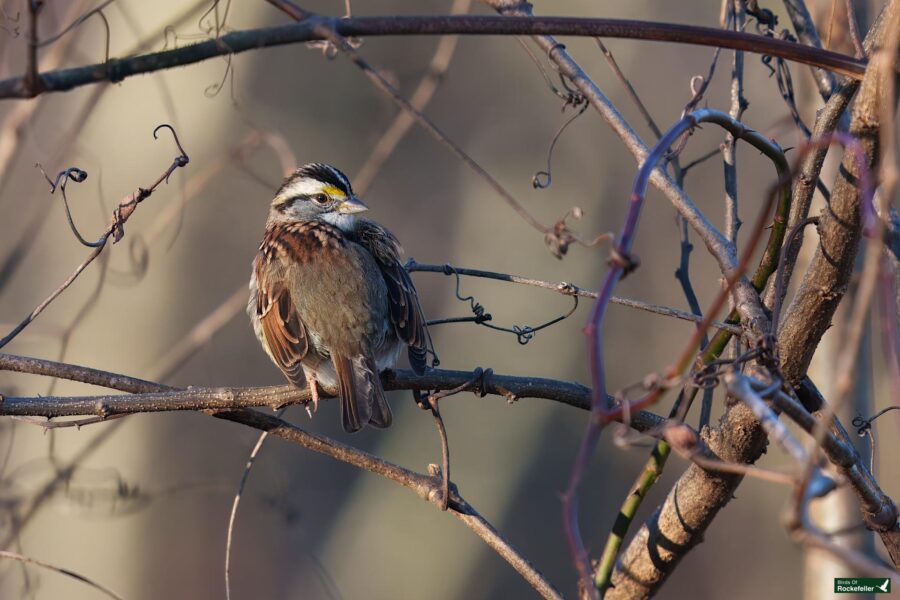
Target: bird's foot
point(313, 391)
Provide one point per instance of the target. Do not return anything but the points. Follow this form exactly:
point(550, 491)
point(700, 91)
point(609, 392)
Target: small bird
point(330, 301)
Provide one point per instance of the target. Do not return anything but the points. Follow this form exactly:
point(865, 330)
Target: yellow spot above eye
point(333, 191)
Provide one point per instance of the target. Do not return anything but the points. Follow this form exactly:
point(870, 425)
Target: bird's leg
point(313, 389)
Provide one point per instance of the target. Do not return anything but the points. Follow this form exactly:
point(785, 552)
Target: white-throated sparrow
point(330, 300)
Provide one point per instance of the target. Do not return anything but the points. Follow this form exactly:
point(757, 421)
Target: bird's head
point(316, 192)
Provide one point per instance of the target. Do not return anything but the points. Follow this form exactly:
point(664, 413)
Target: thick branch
point(828, 119)
point(680, 522)
point(147, 396)
point(241, 41)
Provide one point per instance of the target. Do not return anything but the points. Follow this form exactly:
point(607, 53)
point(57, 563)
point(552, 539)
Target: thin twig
point(61, 570)
point(736, 111)
point(97, 10)
point(629, 89)
point(715, 242)
point(568, 289)
point(232, 517)
point(12, 130)
point(115, 229)
point(20, 115)
point(31, 81)
point(444, 472)
point(853, 29)
point(421, 97)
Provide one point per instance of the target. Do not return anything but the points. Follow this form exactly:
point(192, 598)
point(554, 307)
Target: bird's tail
point(362, 397)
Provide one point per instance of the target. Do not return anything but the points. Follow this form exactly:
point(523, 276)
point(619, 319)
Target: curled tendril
point(169, 32)
point(59, 183)
point(210, 22)
point(214, 89)
point(542, 179)
point(864, 426)
point(569, 95)
point(524, 334)
point(182, 159)
point(766, 20)
point(77, 22)
point(864, 429)
point(72, 173)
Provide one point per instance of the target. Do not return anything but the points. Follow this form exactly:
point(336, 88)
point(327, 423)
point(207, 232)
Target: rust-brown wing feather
point(284, 332)
point(403, 301)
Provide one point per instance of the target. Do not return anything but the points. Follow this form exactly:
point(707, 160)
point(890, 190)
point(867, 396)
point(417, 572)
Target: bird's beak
point(351, 205)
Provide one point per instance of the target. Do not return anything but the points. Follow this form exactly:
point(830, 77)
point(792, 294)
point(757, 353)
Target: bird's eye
point(320, 199)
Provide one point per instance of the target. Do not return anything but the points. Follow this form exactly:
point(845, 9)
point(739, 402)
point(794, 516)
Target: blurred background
point(141, 504)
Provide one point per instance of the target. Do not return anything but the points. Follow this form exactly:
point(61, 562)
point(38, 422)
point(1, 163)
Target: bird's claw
point(314, 393)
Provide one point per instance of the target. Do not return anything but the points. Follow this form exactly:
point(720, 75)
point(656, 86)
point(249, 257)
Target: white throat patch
point(346, 223)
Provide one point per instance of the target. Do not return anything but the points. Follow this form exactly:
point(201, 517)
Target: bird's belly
point(318, 361)
point(386, 356)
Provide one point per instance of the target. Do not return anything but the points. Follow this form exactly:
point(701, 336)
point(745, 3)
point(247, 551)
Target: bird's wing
point(285, 335)
point(405, 310)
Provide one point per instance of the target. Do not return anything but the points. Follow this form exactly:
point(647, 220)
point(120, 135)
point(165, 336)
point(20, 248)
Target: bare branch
point(115, 229)
point(679, 523)
point(421, 97)
point(737, 16)
point(427, 488)
point(310, 29)
point(150, 396)
point(568, 289)
point(229, 537)
point(61, 570)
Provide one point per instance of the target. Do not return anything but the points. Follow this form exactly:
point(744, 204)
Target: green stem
point(652, 471)
point(767, 265)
